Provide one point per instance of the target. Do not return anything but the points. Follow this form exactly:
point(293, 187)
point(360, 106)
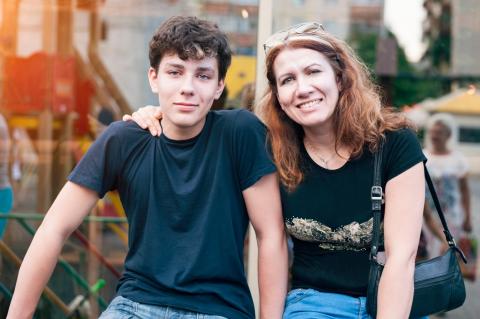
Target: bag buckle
point(450, 240)
point(377, 193)
point(453, 244)
point(373, 253)
point(377, 197)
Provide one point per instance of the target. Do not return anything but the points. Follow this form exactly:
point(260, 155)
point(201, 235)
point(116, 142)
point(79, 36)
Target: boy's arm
point(72, 204)
point(264, 209)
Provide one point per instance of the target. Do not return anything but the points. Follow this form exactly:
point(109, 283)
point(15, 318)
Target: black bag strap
point(376, 195)
point(377, 198)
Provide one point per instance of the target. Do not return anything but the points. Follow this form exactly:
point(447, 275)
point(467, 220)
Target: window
point(469, 135)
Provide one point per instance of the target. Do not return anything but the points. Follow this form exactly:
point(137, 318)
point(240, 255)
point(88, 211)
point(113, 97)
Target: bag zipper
point(428, 282)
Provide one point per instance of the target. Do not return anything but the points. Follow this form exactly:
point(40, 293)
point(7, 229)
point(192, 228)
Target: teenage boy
point(188, 195)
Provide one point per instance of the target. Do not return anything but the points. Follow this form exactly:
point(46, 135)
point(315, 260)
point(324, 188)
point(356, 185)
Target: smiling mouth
point(310, 104)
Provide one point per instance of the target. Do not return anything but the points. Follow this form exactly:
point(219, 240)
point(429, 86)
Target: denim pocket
point(120, 308)
point(297, 295)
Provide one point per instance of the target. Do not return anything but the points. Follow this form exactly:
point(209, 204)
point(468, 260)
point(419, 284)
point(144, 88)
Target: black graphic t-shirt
point(330, 221)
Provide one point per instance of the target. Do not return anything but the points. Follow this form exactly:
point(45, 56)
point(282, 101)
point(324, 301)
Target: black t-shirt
point(185, 209)
point(329, 217)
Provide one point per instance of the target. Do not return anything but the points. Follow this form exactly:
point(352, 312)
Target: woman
point(325, 121)
point(449, 169)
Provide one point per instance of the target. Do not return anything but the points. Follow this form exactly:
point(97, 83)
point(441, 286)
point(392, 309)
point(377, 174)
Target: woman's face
point(307, 87)
point(439, 135)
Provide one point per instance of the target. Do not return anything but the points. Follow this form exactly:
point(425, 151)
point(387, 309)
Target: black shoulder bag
point(438, 282)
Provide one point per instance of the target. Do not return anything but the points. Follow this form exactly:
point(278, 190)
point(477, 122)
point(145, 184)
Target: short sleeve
point(402, 151)
point(99, 167)
point(462, 165)
point(250, 149)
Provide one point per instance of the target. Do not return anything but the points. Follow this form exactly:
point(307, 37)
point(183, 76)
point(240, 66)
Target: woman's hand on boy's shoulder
point(147, 117)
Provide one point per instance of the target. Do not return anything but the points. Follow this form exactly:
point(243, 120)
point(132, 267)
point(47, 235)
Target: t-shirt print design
point(352, 237)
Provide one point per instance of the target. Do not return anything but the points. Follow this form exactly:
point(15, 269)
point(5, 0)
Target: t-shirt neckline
point(189, 140)
point(310, 159)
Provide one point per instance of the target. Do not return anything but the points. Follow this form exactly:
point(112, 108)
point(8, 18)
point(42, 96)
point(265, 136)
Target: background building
point(465, 37)
point(333, 14)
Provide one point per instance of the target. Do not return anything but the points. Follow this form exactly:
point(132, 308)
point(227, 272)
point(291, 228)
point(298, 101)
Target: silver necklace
point(315, 151)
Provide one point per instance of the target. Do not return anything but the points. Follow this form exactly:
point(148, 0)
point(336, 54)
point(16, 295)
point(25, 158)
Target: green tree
point(409, 86)
point(437, 34)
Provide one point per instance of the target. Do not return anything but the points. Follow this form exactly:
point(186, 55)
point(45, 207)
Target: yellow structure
point(241, 72)
point(29, 122)
point(461, 102)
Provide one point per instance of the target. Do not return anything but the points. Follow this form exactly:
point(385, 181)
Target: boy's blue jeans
point(123, 308)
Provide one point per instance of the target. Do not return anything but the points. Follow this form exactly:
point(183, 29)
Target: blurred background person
point(99, 123)
point(448, 169)
point(6, 193)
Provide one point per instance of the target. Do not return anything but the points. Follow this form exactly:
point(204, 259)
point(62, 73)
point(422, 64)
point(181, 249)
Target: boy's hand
point(147, 117)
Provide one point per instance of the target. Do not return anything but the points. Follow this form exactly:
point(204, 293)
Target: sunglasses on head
point(308, 29)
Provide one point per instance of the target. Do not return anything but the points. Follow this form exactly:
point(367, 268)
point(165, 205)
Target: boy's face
point(186, 90)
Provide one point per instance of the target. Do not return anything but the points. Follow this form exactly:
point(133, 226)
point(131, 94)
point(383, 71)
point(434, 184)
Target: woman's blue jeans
point(312, 304)
point(123, 308)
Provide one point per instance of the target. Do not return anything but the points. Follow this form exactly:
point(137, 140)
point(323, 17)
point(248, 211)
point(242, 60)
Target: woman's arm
point(404, 203)
point(465, 198)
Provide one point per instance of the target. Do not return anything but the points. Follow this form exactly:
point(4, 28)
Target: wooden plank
point(265, 18)
point(45, 146)
point(65, 27)
point(48, 25)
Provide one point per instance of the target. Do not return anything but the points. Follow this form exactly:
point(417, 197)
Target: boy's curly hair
point(190, 38)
